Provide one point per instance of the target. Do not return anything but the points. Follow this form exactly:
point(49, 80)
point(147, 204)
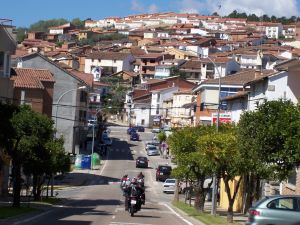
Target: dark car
point(276, 210)
point(139, 128)
point(142, 161)
point(134, 137)
point(163, 172)
point(131, 130)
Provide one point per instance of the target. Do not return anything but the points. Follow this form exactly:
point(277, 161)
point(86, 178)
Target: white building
point(108, 62)
point(273, 30)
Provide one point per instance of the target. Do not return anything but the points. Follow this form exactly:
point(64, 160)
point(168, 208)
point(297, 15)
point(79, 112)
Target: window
point(203, 65)
point(143, 122)
point(83, 96)
point(292, 178)
point(283, 204)
point(115, 60)
point(2, 63)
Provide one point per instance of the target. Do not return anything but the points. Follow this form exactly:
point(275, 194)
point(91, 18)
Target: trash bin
point(86, 162)
point(78, 161)
point(96, 160)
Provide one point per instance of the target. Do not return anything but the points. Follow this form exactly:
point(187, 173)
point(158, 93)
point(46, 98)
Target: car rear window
point(142, 158)
point(171, 181)
point(165, 168)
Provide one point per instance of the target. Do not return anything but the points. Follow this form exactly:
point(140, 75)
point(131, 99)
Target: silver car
point(152, 150)
point(276, 210)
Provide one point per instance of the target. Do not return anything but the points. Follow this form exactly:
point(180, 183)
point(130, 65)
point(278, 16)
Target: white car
point(152, 150)
point(169, 186)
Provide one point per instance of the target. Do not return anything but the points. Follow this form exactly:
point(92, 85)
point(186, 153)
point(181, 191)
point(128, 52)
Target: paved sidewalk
point(73, 179)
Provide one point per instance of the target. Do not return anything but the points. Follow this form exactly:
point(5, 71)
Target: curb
point(185, 215)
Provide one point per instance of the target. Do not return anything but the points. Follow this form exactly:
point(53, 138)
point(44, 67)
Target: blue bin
point(86, 162)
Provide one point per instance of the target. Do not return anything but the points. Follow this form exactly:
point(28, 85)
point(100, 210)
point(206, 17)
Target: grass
point(205, 218)
point(8, 211)
point(50, 201)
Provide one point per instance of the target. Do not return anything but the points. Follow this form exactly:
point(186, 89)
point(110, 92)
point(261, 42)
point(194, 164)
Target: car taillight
point(254, 212)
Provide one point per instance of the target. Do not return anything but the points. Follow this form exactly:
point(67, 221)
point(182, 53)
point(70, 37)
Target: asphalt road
point(100, 201)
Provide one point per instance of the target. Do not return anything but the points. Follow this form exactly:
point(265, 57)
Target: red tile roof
point(30, 78)
point(86, 77)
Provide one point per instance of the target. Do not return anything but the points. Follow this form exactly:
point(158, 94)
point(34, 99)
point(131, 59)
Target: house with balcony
point(273, 30)
point(165, 67)
point(231, 85)
point(145, 64)
point(108, 63)
point(182, 112)
point(282, 83)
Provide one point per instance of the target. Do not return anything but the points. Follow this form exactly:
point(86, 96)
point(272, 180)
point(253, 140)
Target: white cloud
point(190, 6)
point(153, 8)
point(137, 6)
point(278, 8)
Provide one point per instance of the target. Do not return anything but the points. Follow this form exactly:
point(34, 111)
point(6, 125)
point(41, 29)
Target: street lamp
point(60, 97)
point(214, 191)
point(93, 140)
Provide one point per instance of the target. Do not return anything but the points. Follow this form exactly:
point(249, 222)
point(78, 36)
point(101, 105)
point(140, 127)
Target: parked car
point(276, 210)
point(169, 186)
point(131, 130)
point(152, 150)
point(134, 136)
point(139, 128)
point(163, 172)
point(141, 161)
point(156, 130)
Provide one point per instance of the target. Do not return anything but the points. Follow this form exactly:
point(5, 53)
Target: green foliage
point(98, 38)
point(269, 138)
point(43, 25)
point(264, 18)
point(162, 136)
point(174, 71)
point(21, 34)
point(78, 23)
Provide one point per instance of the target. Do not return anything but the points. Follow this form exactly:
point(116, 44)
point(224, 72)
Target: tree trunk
point(176, 194)
point(34, 186)
point(200, 195)
point(230, 212)
point(48, 183)
point(5, 179)
point(16, 183)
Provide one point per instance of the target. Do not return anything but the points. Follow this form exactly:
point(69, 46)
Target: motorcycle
point(133, 205)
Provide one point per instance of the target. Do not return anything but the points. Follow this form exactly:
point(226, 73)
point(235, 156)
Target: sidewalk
point(73, 179)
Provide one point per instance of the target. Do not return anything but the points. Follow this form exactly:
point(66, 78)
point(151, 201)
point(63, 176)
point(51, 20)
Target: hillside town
point(156, 71)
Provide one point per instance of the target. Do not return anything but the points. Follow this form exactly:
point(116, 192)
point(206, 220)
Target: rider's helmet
point(134, 180)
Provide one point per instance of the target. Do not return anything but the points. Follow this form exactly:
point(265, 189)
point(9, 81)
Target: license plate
point(161, 173)
point(142, 162)
point(133, 201)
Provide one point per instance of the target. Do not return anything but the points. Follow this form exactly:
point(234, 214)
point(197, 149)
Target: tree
point(174, 71)
point(229, 164)
point(161, 137)
point(191, 159)
point(43, 25)
point(21, 34)
point(268, 138)
point(78, 23)
point(234, 14)
point(215, 14)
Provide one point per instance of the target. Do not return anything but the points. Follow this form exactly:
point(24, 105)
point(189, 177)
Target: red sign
point(223, 118)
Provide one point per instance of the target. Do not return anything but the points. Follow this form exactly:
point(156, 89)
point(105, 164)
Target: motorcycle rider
point(142, 187)
point(134, 190)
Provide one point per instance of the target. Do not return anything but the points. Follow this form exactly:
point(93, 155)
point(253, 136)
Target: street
point(100, 200)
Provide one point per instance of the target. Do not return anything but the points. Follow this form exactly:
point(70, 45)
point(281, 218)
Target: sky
point(23, 13)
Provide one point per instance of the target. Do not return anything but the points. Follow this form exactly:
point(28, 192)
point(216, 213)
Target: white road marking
point(179, 216)
point(102, 169)
point(126, 223)
point(113, 217)
point(114, 182)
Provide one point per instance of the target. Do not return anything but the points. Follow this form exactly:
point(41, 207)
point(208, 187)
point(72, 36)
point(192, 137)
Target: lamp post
point(60, 97)
point(56, 112)
point(93, 139)
point(214, 190)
